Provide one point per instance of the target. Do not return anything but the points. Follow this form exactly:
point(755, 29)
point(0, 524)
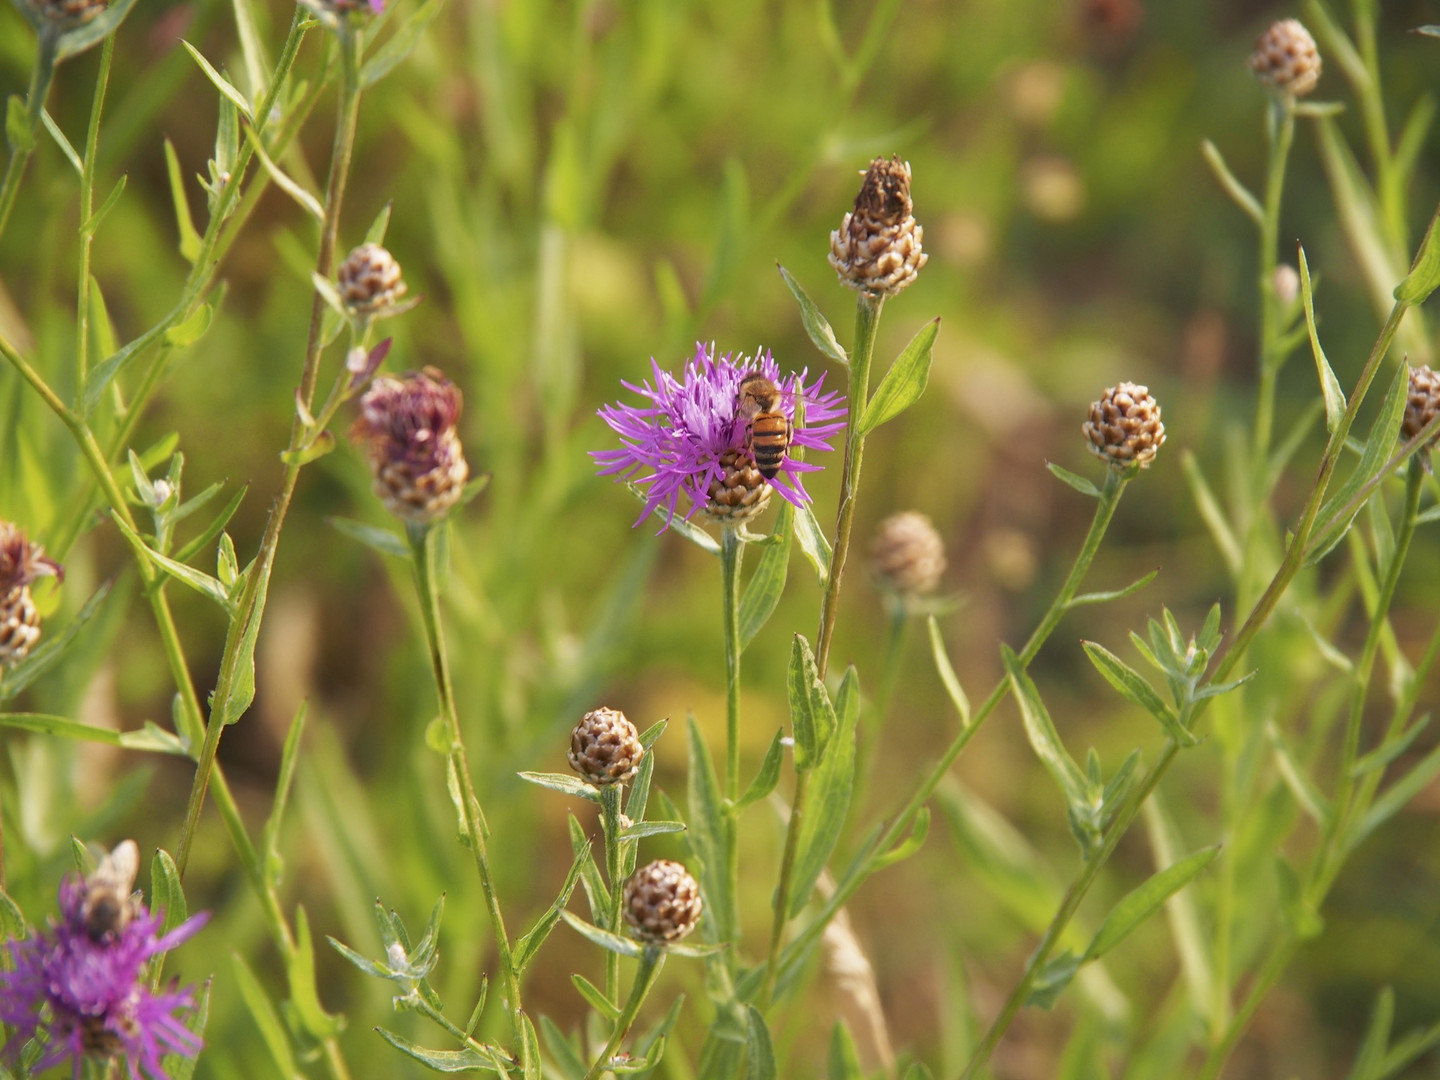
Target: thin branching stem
point(651, 961)
point(41, 76)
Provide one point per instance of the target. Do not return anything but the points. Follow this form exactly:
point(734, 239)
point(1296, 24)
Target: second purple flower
point(691, 436)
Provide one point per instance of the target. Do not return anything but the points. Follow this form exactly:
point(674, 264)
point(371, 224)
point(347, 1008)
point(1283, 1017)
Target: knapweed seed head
point(662, 902)
point(70, 13)
point(21, 562)
point(1285, 58)
point(605, 747)
point(907, 556)
point(369, 280)
point(1421, 406)
point(415, 453)
point(87, 995)
point(690, 437)
point(331, 10)
point(877, 247)
point(1124, 426)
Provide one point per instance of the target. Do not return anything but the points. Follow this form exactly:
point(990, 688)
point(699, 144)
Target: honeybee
point(109, 902)
point(768, 431)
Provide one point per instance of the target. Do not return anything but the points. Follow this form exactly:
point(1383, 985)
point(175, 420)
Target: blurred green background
point(575, 188)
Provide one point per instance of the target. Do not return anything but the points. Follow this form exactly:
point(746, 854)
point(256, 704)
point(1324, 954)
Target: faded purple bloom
point(674, 444)
point(89, 998)
point(21, 562)
point(415, 453)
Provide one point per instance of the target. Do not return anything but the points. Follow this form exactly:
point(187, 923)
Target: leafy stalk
point(651, 961)
point(41, 76)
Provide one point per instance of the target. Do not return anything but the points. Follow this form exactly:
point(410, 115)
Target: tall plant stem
point(41, 76)
point(422, 545)
point(1258, 616)
point(614, 858)
point(245, 626)
point(867, 322)
point(1280, 136)
point(732, 551)
point(1351, 800)
point(651, 961)
point(849, 884)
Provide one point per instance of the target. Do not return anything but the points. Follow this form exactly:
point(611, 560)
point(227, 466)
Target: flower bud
point(415, 454)
point(71, 12)
point(21, 562)
point(605, 747)
point(1285, 58)
point(1422, 405)
point(1124, 426)
point(877, 247)
point(369, 280)
point(1287, 283)
point(662, 902)
point(908, 556)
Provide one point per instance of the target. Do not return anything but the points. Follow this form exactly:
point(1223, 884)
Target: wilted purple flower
point(415, 453)
point(87, 996)
point(675, 443)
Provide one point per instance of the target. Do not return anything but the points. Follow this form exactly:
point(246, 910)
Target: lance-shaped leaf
point(769, 774)
point(759, 1054)
point(201, 582)
point(707, 835)
point(96, 30)
point(1044, 739)
point(762, 594)
point(491, 1059)
point(606, 940)
point(812, 717)
point(563, 783)
point(948, 678)
point(1133, 687)
point(815, 323)
point(1079, 483)
point(904, 382)
point(165, 892)
point(811, 538)
point(266, 1017)
point(148, 738)
point(189, 237)
point(596, 997)
point(831, 784)
point(1424, 273)
point(1142, 902)
point(1329, 384)
point(219, 81)
point(529, 944)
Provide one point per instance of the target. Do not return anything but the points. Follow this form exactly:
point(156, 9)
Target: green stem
point(610, 824)
point(87, 203)
point(732, 552)
point(41, 76)
point(1280, 136)
point(651, 961)
point(422, 543)
point(867, 321)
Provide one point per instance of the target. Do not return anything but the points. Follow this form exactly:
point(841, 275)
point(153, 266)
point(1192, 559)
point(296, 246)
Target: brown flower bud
point(1422, 405)
point(605, 747)
point(740, 494)
point(908, 556)
point(1285, 58)
point(877, 247)
point(1124, 426)
point(71, 12)
point(415, 453)
point(662, 902)
point(369, 279)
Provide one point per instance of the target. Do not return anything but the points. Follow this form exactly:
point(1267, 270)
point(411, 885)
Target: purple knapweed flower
point(674, 443)
point(85, 993)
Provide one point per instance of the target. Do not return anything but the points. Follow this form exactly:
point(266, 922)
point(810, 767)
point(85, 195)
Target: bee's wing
point(120, 867)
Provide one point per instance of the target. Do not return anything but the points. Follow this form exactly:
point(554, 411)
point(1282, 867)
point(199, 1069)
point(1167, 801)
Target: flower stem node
point(1286, 59)
point(907, 556)
point(1421, 406)
point(605, 747)
point(877, 247)
point(1124, 426)
point(21, 562)
point(369, 280)
point(415, 453)
point(662, 902)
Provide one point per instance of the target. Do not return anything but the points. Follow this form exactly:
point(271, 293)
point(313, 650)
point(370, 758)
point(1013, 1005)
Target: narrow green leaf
point(12, 919)
point(61, 141)
point(1113, 594)
point(811, 715)
point(844, 1059)
point(759, 1054)
point(1044, 739)
point(304, 996)
point(77, 40)
point(811, 538)
point(400, 44)
point(201, 582)
point(219, 81)
point(643, 830)
point(1306, 794)
point(17, 126)
point(1237, 191)
point(214, 529)
point(707, 833)
point(606, 940)
point(382, 540)
point(946, 671)
point(1132, 686)
point(165, 892)
point(447, 1061)
point(904, 382)
point(597, 999)
point(1424, 273)
point(1397, 796)
point(308, 202)
point(1389, 750)
point(529, 1050)
point(912, 843)
point(1054, 977)
point(1191, 942)
point(189, 239)
point(1142, 902)
point(1211, 513)
point(815, 323)
point(690, 531)
point(149, 739)
point(563, 1052)
point(1329, 384)
point(595, 891)
point(762, 594)
point(1079, 483)
point(93, 223)
point(769, 774)
point(831, 785)
point(1370, 1058)
point(192, 329)
point(267, 1019)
